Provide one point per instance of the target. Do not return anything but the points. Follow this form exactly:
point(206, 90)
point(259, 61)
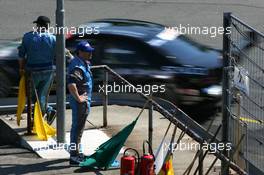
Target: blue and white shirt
point(39, 50)
point(80, 74)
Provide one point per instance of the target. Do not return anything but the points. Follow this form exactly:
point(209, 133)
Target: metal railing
point(243, 92)
point(181, 120)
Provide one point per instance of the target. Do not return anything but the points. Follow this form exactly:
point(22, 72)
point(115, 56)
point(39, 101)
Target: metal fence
point(243, 90)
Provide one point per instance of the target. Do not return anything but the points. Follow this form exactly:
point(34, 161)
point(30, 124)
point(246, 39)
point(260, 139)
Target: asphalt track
point(16, 16)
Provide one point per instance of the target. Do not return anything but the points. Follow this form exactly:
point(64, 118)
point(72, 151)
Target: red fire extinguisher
point(129, 163)
point(147, 161)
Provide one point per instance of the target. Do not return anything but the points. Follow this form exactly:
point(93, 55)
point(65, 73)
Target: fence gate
point(243, 94)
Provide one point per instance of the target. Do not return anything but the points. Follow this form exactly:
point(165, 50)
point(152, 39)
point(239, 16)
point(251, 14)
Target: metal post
point(237, 132)
point(60, 72)
point(150, 129)
point(225, 118)
point(201, 159)
point(29, 102)
point(105, 100)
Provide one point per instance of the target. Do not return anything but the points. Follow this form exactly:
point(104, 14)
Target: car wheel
point(5, 85)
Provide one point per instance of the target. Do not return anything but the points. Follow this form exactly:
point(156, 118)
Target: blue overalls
point(79, 73)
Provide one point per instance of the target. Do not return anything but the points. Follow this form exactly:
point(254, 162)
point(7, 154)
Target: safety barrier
point(243, 98)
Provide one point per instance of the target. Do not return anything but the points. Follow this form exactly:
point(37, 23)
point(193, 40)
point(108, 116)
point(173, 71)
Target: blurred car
point(144, 53)
point(9, 75)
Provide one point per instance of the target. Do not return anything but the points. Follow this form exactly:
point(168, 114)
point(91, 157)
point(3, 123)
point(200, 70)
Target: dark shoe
point(75, 160)
point(51, 115)
point(82, 156)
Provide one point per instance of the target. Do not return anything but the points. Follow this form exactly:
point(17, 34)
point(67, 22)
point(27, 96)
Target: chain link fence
point(243, 89)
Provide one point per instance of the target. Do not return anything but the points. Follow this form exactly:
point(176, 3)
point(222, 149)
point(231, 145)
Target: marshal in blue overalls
point(80, 87)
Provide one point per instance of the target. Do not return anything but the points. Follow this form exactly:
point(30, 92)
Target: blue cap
point(84, 46)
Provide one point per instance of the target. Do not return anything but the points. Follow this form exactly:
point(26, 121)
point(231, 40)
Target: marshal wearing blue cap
point(80, 88)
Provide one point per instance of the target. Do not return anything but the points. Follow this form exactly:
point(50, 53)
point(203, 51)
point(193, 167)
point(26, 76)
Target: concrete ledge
point(51, 150)
point(12, 134)
point(8, 135)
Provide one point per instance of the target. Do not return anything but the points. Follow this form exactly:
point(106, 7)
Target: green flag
point(107, 152)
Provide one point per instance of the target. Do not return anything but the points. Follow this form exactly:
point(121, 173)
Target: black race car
point(145, 54)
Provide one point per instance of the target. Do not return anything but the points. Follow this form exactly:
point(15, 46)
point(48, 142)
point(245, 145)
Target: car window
point(183, 50)
point(9, 50)
point(120, 52)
